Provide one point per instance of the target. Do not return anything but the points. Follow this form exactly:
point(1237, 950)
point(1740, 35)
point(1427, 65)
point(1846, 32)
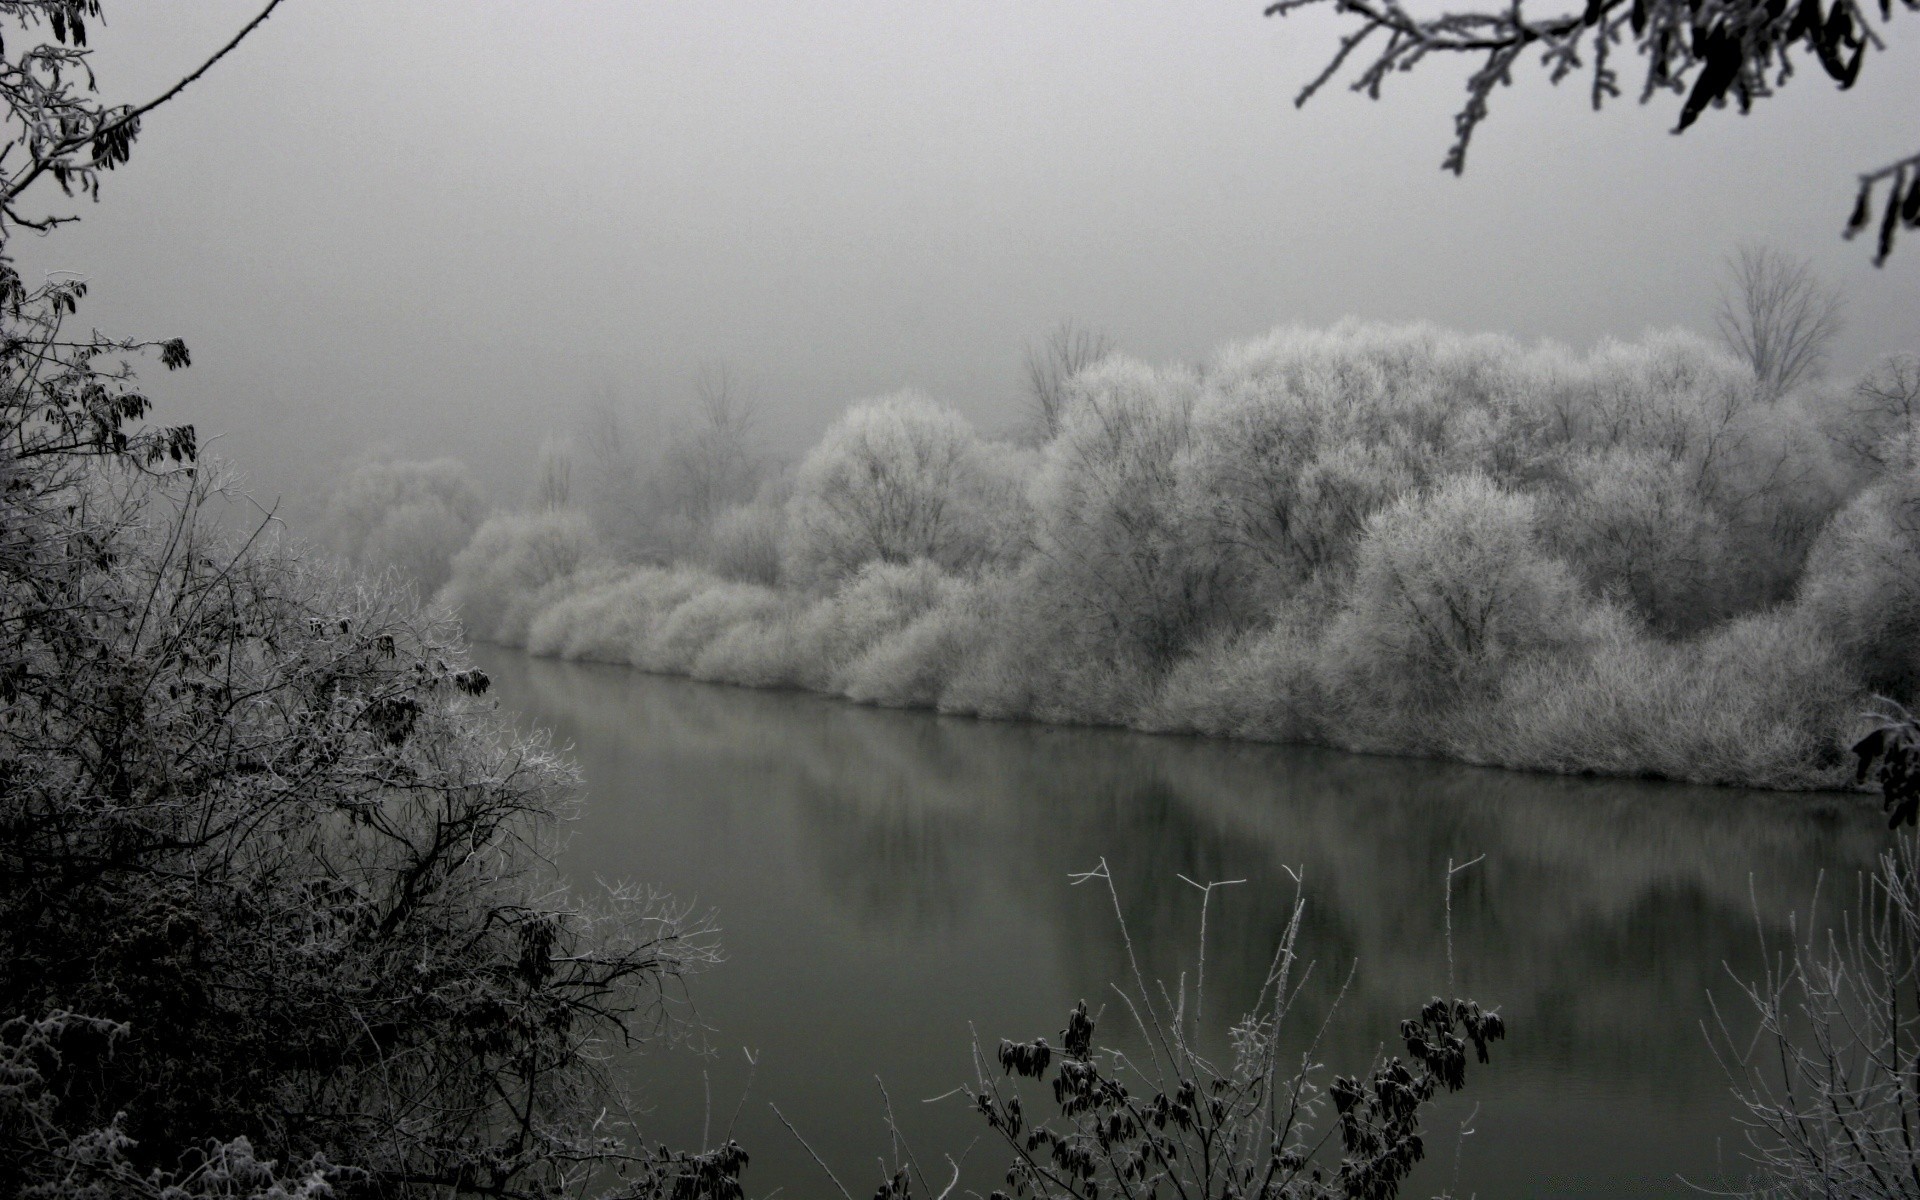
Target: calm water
point(888, 881)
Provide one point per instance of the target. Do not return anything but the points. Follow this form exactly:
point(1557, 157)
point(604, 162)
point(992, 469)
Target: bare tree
point(1777, 315)
point(553, 480)
point(1068, 350)
point(714, 467)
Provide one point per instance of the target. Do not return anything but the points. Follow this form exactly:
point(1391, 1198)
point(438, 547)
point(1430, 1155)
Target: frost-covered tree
point(1878, 425)
point(409, 517)
point(1711, 53)
point(893, 480)
point(1639, 532)
point(1862, 585)
point(1452, 589)
point(1298, 437)
point(1131, 579)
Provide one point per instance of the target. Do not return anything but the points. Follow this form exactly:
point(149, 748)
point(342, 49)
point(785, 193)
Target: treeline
point(1637, 561)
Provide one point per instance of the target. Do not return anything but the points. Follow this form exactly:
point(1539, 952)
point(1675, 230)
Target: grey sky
point(443, 226)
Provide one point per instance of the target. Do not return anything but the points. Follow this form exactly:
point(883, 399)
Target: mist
point(443, 229)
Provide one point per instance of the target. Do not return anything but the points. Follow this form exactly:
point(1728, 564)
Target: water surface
point(891, 882)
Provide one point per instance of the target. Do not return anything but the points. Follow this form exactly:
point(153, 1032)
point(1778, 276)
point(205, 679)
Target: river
point(890, 884)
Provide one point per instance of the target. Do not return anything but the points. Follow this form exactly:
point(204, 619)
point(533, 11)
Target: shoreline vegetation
point(1637, 561)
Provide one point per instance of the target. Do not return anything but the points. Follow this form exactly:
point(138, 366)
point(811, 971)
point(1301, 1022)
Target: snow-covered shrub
point(1263, 684)
point(1761, 701)
point(1451, 589)
point(875, 604)
point(1862, 586)
point(912, 667)
point(746, 542)
point(516, 564)
point(679, 636)
point(893, 480)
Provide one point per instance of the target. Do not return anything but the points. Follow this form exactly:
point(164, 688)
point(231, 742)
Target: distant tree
point(553, 475)
point(1777, 315)
point(1065, 352)
point(616, 477)
point(411, 517)
point(1712, 52)
point(712, 466)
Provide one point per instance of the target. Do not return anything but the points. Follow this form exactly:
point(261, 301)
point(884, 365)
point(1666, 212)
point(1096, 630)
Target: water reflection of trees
point(1601, 915)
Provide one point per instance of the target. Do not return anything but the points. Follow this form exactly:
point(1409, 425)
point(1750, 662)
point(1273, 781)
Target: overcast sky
point(443, 227)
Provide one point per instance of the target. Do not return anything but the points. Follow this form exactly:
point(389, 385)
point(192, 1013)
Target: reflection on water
point(887, 881)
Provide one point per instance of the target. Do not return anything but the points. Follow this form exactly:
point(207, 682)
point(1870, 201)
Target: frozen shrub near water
point(895, 479)
point(1762, 701)
point(1264, 684)
point(599, 619)
point(911, 667)
point(833, 631)
point(1451, 590)
point(677, 639)
point(1862, 585)
point(516, 564)
point(745, 543)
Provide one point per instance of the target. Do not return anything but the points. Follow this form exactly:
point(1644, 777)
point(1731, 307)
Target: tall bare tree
point(1065, 352)
point(1778, 315)
point(713, 466)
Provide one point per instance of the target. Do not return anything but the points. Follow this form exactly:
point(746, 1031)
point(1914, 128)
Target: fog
point(444, 228)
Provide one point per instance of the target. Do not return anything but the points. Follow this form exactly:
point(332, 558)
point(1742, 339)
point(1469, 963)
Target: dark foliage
point(1191, 1140)
point(275, 910)
point(1890, 754)
point(1711, 54)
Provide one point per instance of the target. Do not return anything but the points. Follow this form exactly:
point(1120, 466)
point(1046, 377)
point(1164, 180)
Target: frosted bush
point(912, 666)
point(1862, 586)
point(1452, 588)
point(600, 618)
point(683, 633)
point(745, 543)
point(893, 480)
point(511, 567)
point(1760, 702)
point(763, 652)
point(827, 633)
point(1263, 685)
